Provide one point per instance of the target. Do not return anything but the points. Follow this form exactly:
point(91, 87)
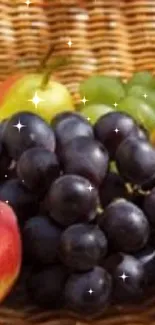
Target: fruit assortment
point(87, 232)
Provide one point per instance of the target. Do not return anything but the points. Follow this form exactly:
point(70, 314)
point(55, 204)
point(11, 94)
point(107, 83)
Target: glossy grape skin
point(106, 130)
point(132, 287)
point(68, 126)
point(23, 202)
point(149, 207)
point(147, 258)
point(94, 112)
point(35, 132)
point(45, 286)
point(125, 226)
point(138, 108)
point(143, 78)
point(41, 239)
point(38, 168)
point(78, 287)
point(69, 200)
point(112, 187)
point(86, 157)
point(82, 246)
point(102, 90)
point(135, 160)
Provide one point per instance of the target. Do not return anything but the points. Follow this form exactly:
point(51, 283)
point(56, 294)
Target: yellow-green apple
point(10, 249)
point(25, 93)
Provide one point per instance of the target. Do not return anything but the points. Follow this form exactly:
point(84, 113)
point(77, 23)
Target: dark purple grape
point(149, 207)
point(23, 202)
point(68, 125)
point(88, 293)
point(82, 246)
point(112, 128)
point(85, 157)
point(41, 240)
point(112, 187)
point(147, 258)
point(46, 286)
point(135, 160)
point(34, 131)
point(38, 168)
point(72, 199)
point(128, 275)
point(125, 225)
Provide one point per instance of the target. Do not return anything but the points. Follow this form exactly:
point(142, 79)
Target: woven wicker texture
point(108, 36)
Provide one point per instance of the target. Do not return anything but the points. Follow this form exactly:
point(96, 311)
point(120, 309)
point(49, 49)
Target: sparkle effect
point(123, 276)
point(19, 126)
point(84, 100)
point(115, 104)
point(145, 96)
point(116, 130)
point(90, 291)
point(28, 2)
point(7, 201)
point(90, 188)
point(36, 100)
point(69, 43)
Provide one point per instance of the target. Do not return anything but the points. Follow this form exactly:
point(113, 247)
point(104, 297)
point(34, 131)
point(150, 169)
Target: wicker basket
point(108, 36)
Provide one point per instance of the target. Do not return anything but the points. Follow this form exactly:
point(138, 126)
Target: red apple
point(10, 249)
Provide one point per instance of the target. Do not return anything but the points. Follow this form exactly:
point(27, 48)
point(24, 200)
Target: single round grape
point(68, 126)
point(112, 128)
point(82, 246)
point(135, 160)
point(94, 112)
point(26, 130)
point(88, 293)
point(147, 257)
point(149, 207)
point(45, 286)
point(41, 238)
point(86, 157)
point(23, 202)
point(143, 78)
point(72, 199)
point(112, 187)
point(38, 168)
point(139, 109)
point(128, 275)
point(125, 226)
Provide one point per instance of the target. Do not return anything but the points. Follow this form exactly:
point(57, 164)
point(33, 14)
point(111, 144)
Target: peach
point(10, 249)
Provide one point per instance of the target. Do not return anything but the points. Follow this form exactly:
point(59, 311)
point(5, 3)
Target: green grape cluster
point(105, 94)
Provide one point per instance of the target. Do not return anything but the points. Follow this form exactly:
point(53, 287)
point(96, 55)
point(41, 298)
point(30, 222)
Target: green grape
point(102, 90)
point(140, 78)
point(94, 112)
point(141, 91)
point(140, 110)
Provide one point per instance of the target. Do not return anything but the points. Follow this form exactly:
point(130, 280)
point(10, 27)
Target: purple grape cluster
point(87, 231)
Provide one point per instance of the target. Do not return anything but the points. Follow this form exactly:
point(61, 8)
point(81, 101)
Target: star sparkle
point(90, 188)
point(70, 43)
point(123, 276)
point(19, 126)
point(84, 100)
point(28, 2)
point(7, 201)
point(115, 104)
point(145, 96)
point(36, 100)
point(116, 130)
point(90, 291)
